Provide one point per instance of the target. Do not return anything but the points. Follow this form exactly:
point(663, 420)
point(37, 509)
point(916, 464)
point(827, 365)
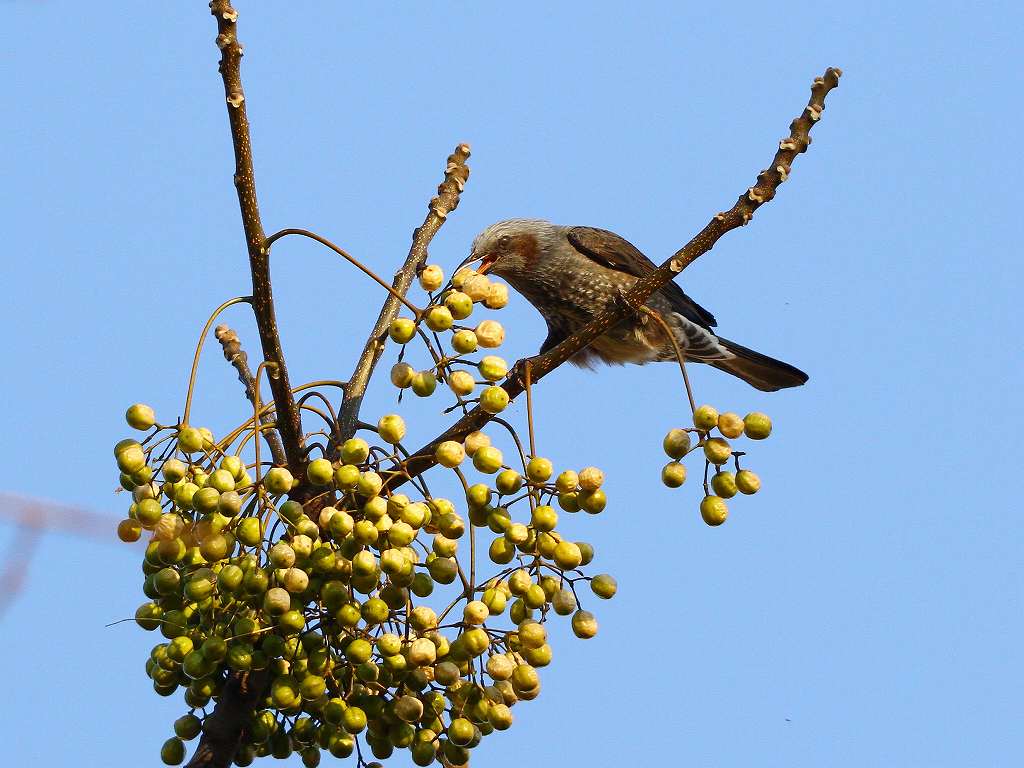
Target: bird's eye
point(504, 240)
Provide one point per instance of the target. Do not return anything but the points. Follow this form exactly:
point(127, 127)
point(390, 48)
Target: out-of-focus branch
point(235, 355)
point(288, 421)
point(456, 174)
point(763, 190)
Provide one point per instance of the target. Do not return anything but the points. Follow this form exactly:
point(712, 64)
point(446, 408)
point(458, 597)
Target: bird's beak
point(486, 261)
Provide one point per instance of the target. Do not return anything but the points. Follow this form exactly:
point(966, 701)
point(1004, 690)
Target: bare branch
point(235, 355)
point(288, 420)
point(455, 176)
point(764, 190)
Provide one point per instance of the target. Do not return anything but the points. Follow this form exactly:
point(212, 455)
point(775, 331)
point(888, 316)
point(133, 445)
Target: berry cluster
point(328, 588)
point(724, 483)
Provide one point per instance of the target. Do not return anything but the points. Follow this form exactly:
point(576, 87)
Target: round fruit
point(459, 305)
point(450, 454)
point(757, 426)
point(494, 399)
point(493, 368)
point(431, 277)
point(439, 319)
point(319, 472)
point(402, 330)
point(673, 474)
point(402, 375)
point(717, 450)
point(604, 586)
point(464, 342)
point(487, 459)
point(705, 417)
point(424, 383)
point(714, 510)
point(278, 480)
point(497, 296)
point(747, 482)
point(591, 478)
point(676, 443)
point(391, 428)
point(490, 334)
point(730, 425)
point(140, 416)
point(724, 484)
point(584, 625)
point(539, 469)
point(461, 383)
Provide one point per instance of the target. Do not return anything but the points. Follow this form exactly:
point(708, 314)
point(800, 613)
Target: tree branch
point(235, 355)
point(456, 173)
point(288, 421)
point(763, 190)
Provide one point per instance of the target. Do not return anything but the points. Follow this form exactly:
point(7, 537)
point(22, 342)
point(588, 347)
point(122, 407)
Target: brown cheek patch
point(526, 247)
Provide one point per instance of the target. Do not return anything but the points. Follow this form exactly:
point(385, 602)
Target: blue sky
point(864, 609)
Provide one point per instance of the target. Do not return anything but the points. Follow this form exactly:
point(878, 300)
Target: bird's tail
point(759, 371)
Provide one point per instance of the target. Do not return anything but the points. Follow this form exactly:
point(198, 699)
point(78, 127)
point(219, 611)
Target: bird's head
point(513, 248)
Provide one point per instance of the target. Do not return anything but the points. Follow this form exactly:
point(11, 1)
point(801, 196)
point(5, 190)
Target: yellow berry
point(497, 297)
point(591, 478)
point(477, 287)
point(490, 334)
point(747, 482)
point(432, 277)
point(475, 441)
point(402, 330)
point(464, 342)
point(724, 484)
point(717, 450)
point(730, 425)
point(705, 417)
point(391, 428)
point(140, 416)
point(438, 318)
point(424, 383)
point(539, 469)
point(494, 399)
point(676, 443)
point(402, 375)
point(673, 474)
point(757, 426)
point(450, 454)
point(461, 382)
point(713, 510)
point(493, 368)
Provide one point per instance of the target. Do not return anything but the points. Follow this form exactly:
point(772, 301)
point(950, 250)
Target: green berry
point(705, 418)
point(676, 443)
point(757, 426)
point(319, 472)
point(673, 474)
point(391, 428)
point(713, 510)
point(747, 482)
point(604, 586)
point(494, 399)
point(402, 330)
point(140, 416)
point(724, 484)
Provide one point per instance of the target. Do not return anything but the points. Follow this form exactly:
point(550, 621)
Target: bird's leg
point(678, 352)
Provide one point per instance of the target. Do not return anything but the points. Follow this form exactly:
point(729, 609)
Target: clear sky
point(863, 610)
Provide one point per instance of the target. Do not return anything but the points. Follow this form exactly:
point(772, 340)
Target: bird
point(572, 274)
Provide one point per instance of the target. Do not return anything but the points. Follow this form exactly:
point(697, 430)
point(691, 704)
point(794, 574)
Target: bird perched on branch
point(572, 274)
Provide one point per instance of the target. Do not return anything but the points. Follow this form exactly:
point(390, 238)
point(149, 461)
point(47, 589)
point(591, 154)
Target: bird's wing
point(614, 252)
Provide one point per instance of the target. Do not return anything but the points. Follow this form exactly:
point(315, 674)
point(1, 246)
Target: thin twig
point(447, 200)
point(235, 355)
point(680, 357)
